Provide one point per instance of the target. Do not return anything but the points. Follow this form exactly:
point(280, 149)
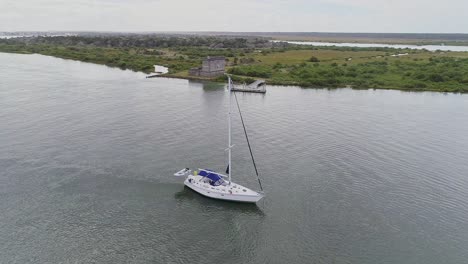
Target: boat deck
point(230, 192)
point(233, 188)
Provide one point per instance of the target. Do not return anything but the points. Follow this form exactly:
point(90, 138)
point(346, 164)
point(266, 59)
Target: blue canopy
point(202, 173)
point(215, 178)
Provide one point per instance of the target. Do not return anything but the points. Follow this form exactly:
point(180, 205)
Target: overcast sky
point(449, 16)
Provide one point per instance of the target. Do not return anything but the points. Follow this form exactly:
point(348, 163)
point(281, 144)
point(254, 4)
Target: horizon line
point(216, 31)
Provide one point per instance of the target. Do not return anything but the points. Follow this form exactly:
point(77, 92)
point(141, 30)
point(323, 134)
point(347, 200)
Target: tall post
point(229, 129)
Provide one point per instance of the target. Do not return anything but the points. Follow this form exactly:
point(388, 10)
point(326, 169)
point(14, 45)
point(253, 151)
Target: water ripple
point(87, 154)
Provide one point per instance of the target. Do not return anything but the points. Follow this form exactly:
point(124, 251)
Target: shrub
point(435, 77)
point(253, 71)
point(314, 59)
point(278, 65)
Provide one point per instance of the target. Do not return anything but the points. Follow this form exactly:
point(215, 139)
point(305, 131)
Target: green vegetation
point(423, 71)
point(136, 52)
point(314, 59)
point(124, 58)
point(278, 63)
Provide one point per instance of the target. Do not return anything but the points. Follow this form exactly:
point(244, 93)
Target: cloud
point(241, 15)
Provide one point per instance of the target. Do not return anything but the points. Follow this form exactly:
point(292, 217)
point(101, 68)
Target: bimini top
point(215, 178)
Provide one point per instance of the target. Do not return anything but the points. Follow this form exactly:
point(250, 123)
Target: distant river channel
point(377, 45)
point(88, 153)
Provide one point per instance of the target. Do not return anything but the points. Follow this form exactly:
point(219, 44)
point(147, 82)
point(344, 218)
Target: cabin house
point(211, 67)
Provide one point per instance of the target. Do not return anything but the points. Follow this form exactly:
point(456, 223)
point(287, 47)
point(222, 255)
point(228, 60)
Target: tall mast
point(229, 129)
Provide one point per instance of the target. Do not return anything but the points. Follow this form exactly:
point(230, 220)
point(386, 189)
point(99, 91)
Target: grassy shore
point(410, 70)
point(403, 70)
point(329, 67)
point(383, 38)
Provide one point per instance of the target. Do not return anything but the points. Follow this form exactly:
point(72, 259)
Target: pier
point(259, 86)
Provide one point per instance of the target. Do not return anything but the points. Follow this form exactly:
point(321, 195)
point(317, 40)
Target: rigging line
point(248, 142)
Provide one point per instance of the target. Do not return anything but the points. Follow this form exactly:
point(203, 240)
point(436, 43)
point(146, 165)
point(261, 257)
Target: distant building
point(160, 69)
point(211, 67)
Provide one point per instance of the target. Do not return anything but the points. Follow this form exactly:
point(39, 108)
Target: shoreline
point(373, 41)
point(333, 67)
point(268, 82)
point(292, 84)
point(430, 47)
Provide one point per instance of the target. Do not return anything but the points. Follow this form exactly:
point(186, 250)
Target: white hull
point(233, 192)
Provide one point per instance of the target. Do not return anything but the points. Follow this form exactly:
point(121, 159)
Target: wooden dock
point(259, 86)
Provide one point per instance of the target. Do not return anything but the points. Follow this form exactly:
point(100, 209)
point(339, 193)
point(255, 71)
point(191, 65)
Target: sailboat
point(220, 186)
